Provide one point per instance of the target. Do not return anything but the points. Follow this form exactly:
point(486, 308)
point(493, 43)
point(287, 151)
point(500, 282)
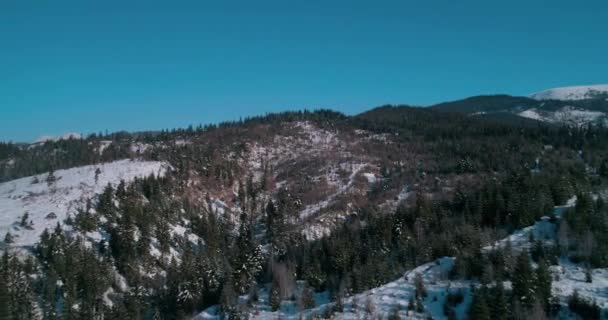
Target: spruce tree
point(499, 303)
point(275, 298)
point(228, 298)
point(543, 284)
point(479, 307)
point(523, 281)
point(307, 300)
point(5, 310)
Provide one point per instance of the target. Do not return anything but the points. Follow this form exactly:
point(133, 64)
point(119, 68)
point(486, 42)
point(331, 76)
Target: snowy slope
point(68, 193)
point(571, 93)
point(65, 136)
point(567, 115)
point(567, 277)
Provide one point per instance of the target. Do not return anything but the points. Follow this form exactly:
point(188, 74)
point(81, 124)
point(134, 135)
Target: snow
point(403, 195)
point(139, 147)
point(103, 145)
point(316, 136)
point(182, 142)
point(179, 230)
point(567, 115)
point(571, 93)
point(63, 197)
point(65, 136)
point(310, 141)
point(567, 277)
point(313, 208)
point(371, 178)
point(532, 114)
point(519, 240)
point(384, 298)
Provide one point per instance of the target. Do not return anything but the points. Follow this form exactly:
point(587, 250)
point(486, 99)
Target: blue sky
point(88, 66)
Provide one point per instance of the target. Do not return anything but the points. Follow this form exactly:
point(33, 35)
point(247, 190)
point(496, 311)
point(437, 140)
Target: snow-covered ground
point(567, 115)
point(571, 93)
point(567, 277)
point(46, 203)
point(313, 208)
point(65, 136)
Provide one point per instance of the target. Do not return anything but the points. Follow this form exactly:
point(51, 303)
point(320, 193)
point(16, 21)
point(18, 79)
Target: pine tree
point(97, 173)
point(307, 300)
point(5, 308)
point(499, 303)
point(50, 178)
point(543, 284)
point(523, 281)
point(275, 298)
point(8, 238)
point(603, 171)
point(479, 307)
point(228, 298)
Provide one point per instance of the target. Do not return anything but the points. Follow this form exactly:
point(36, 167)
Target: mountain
point(575, 113)
point(440, 212)
point(599, 91)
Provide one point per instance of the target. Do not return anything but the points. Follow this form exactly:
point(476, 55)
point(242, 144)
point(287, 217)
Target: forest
point(474, 181)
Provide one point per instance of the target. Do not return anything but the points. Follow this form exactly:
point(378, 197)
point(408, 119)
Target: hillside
point(569, 112)
point(311, 214)
point(30, 205)
point(599, 91)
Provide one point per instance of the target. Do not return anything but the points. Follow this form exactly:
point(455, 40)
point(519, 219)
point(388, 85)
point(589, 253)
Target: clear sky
point(88, 66)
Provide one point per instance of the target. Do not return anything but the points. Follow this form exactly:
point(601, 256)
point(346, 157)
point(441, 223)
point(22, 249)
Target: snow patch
point(47, 203)
point(572, 93)
point(65, 136)
point(567, 115)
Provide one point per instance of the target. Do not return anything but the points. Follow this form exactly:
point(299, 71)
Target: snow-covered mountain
point(570, 110)
point(573, 93)
point(317, 215)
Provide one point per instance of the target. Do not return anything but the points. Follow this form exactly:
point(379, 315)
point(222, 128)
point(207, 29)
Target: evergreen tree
point(275, 298)
point(8, 238)
point(523, 281)
point(307, 300)
point(97, 173)
point(5, 307)
point(543, 284)
point(228, 298)
point(479, 307)
point(603, 171)
point(50, 178)
point(499, 303)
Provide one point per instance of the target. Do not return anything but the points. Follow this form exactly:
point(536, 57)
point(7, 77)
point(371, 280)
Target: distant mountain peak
point(573, 93)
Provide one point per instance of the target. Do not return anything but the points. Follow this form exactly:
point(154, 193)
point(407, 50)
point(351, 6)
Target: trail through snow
point(313, 208)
